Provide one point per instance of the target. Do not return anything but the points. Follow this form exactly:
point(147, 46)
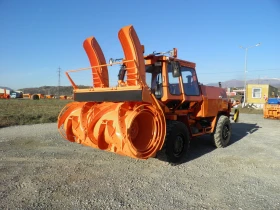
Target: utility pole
point(245, 69)
point(59, 70)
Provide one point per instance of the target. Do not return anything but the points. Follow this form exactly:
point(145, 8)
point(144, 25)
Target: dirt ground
point(40, 170)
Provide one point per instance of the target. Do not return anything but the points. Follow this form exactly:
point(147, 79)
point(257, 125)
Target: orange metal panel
point(271, 111)
point(41, 95)
point(63, 97)
point(49, 96)
point(27, 95)
point(132, 51)
point(96, 57)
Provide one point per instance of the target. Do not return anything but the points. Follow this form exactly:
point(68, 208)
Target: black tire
point(35, 97)
point(222, 132)
point(177, 141)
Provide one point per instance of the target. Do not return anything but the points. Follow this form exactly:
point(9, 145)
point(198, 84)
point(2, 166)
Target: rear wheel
point(222, 133)
point(177, 141)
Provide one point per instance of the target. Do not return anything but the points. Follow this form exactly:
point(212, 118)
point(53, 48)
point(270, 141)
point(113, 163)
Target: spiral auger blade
point(65, 120)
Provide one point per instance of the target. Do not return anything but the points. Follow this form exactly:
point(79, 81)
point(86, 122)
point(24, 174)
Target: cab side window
point(154, 79)
point(190, 85)
point(173, 82)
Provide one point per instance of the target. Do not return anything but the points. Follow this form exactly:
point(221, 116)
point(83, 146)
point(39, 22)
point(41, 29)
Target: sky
point(37, 37)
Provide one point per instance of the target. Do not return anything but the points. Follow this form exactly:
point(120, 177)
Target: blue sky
point(36, 37)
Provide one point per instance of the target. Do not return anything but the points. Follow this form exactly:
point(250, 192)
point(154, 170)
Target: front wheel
point(222, 132)
point(177, 141)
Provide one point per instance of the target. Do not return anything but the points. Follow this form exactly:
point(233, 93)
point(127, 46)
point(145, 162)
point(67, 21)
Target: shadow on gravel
point(204, 144)
point(240, 130)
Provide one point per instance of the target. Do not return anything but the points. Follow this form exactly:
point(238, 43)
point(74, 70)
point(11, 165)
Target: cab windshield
point(190, 83)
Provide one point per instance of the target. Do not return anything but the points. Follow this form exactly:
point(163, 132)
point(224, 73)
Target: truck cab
point(16, 95)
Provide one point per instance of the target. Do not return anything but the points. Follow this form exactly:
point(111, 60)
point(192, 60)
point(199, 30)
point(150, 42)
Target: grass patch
point(26, 111)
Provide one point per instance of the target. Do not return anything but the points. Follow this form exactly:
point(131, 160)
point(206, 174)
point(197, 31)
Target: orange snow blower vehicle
point(157, 104)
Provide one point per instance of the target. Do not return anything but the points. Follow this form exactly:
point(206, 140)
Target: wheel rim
point(178, 146)
point(225, 132)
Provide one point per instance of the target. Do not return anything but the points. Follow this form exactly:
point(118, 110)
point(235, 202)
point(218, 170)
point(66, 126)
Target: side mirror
point(111, 61)
point(176, 68)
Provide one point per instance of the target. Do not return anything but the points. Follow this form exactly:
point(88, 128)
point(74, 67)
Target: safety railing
point(128, 74)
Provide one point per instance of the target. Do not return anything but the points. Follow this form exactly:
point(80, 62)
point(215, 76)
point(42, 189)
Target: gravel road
point(40, 170)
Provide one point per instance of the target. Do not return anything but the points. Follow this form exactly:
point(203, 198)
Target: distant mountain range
point(240, 83)
point(5, 88)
